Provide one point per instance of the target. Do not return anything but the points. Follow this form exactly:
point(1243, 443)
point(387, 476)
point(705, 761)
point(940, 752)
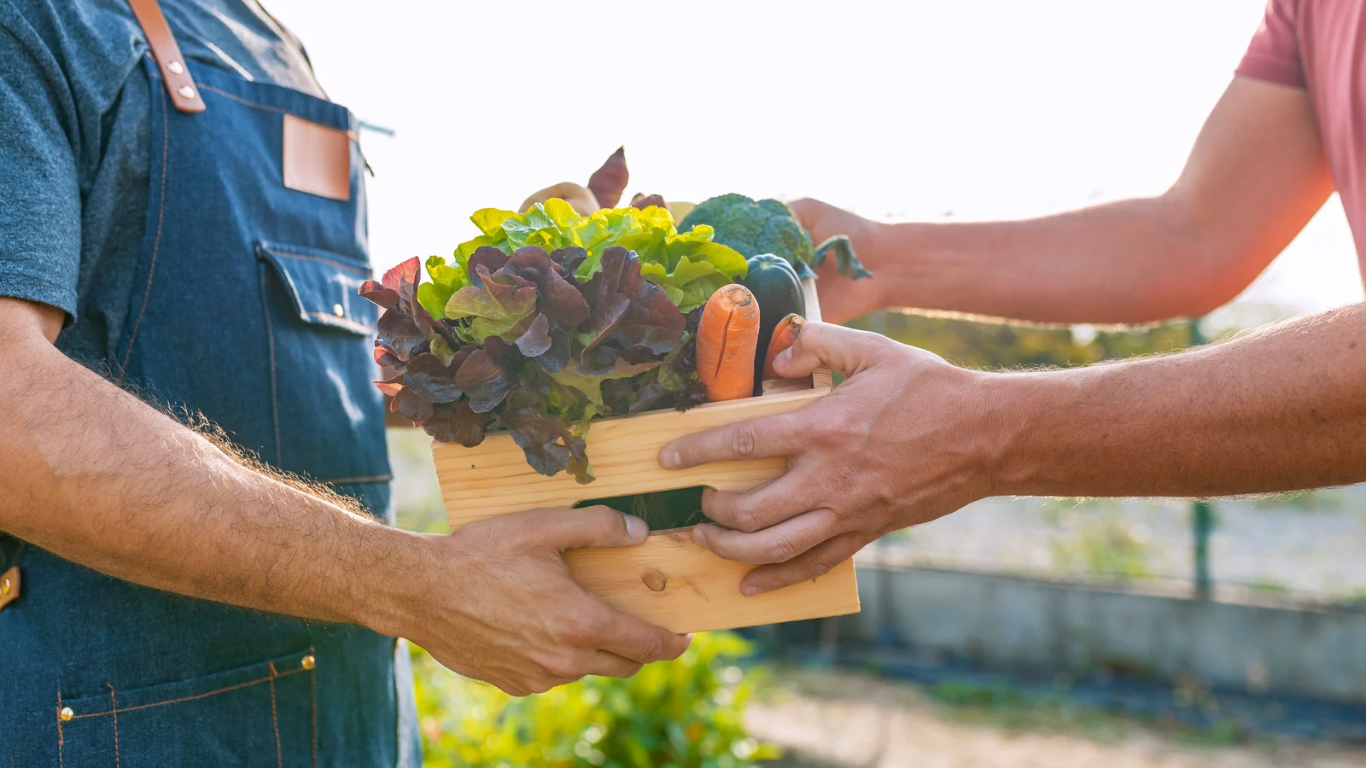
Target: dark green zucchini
point(662, 511)
point(775, 284)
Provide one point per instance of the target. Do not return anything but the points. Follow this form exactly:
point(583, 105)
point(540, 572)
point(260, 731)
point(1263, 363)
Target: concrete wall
point(1313, 651)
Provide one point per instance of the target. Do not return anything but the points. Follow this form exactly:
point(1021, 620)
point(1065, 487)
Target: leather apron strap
point(174, 72)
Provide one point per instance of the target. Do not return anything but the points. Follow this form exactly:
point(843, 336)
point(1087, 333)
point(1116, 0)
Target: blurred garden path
point(826, 720)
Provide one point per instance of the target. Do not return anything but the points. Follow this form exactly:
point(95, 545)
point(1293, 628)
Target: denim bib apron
point(245, 310)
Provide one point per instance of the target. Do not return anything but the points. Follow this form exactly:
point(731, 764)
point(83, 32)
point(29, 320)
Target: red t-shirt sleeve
point(1274, 54)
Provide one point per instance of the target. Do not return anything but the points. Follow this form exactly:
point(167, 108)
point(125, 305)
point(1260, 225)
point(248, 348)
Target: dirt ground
point(836, 720)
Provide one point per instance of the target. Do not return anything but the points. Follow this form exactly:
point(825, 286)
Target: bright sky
point(899, 109)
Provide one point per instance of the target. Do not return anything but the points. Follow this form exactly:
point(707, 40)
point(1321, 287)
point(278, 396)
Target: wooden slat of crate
point(493, 478)
point(675, 583)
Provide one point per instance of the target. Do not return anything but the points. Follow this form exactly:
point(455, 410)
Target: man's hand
point(902, 441)
point(498, 603)
point(844, 298)
point(909, 438)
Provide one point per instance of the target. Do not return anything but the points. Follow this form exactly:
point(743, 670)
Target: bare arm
point(1281, 409)
point(909, 438)
point(1253, 180)
point(94, 475)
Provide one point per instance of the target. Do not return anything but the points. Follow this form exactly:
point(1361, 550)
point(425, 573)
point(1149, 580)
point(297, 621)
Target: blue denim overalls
point(245, 311)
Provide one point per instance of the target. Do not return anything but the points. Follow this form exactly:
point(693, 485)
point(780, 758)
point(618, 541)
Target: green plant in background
point(1065, 512)
point(1268, 584)
point(683, 714)
point(417, 494)
point(990, 345)
point(1105, 544)
point(1323, 500)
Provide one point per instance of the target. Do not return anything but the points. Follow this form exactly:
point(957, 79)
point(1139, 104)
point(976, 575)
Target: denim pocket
point(323, 286)
point(262, 714)
point(328, 415)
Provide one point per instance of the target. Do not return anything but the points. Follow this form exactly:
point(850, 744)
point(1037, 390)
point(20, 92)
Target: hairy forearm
point(1282, 409)
point(90, 473)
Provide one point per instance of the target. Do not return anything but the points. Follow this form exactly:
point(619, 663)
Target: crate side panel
point(677, 584)
point(493, 478)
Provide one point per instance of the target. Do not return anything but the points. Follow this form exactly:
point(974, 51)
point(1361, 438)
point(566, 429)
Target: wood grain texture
point(821, 379)
point(783, 386)
point(670, 580)
point(493, 478)
point(811, 299)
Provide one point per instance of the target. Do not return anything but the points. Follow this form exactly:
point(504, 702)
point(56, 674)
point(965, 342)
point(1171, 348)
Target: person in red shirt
point(909, 438)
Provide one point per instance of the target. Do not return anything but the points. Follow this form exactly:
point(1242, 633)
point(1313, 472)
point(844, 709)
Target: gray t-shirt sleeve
point(40, 198)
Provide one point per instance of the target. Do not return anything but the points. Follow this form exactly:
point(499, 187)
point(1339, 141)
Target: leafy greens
point(689, 266)
point(547, 320)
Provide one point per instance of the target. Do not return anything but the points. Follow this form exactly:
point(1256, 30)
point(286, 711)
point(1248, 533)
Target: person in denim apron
point(235, 266)
point(242, 312)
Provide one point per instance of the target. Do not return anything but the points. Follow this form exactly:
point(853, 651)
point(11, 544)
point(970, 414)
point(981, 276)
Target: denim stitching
point(274, 385)
point(275, 718)
point(206, 694)
point(114, 709)
point(61, 738)
point(401, 726)
point(354, 136)
point(313, 692)
point(271, 248)
point(156, 244)
point(241, 100)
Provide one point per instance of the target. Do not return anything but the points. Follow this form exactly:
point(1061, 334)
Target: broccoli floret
point(767, 226)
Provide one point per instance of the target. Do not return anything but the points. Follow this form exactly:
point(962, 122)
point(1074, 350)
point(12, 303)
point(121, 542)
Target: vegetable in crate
point(688, 265)
point(727, 343)
point(767, 226)
point(577, 195)
point(779, 291)
point(545, 321)
point(609, 182)
point(784, 336)
point(603, 191)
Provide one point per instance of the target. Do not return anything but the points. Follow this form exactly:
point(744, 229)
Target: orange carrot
point(784, 336)
point(727, 339)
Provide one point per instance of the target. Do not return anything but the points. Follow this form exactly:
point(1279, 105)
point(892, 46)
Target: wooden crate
point(669, 580)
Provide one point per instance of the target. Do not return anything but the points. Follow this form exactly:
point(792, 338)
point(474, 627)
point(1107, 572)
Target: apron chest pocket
point(328, 415)
point(323, 286)
point(262, 714)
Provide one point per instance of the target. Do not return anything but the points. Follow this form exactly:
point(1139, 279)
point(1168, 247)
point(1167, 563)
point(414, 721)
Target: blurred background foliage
point(989, 344)
point(686, 714)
